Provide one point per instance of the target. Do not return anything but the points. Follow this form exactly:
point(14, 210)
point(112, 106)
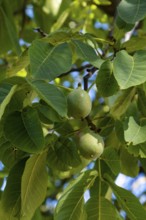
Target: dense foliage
point(47, 50)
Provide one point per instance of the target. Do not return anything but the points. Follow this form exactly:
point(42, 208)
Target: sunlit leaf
point(134, 133)
point(21, 63)
point(70, 205)
point(34, 185)
point(128, 201)
point(47, 61)
point(101, 208)
point(130, 70)
point(134, 44)
point(6, 92)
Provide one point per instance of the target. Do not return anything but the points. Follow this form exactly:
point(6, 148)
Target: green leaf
point(128, 201)
point(111, 157)
point(21, 63)
point(132, 11)
point(130, 70)
point(122, 103)
point(48, 113)
point(129, 164)
point(134, 133)
point(137, 150)
point(33, 126)
point(48, 61)
point(63, 155)
point(123, 26)
point(106, 79)
point(33, 185)
point(8, 31)
point(141, 102)
point(134, 44)
point(8, 154)
point(87, 53)
point(51, 95)
point(11, 198)
point(16, 130)
point(70, 205)
point(100, 208)
point(6, 92)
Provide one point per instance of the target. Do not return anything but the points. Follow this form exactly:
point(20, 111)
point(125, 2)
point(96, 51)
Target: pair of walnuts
point(90, 144)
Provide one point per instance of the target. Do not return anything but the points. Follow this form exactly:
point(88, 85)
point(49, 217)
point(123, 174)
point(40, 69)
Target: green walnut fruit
point(91, 145)
point(79, 103)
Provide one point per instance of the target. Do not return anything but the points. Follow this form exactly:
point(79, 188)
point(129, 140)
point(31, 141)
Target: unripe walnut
point(79, 103)
point(90, 144)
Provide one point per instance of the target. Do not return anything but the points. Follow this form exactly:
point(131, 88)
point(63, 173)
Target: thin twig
point(40, 31)
point(75, 70)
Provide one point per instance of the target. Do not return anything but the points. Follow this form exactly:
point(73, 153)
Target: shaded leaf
point(70, 205)
point(51, 95)
point(48, 113)
point(11, 198)
point(141, 103)
point(129, 164)
point(132, 11)
point(105, 81)
point(121, 27)
point(63, 155)
point(47, 61)
point(16, 132)
point(129, 70)
point(33, 126)
point(122, 103)
point(128, 201)
point(9, 155)
point(111, 157)
point(87, 53)
point(33, 185)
